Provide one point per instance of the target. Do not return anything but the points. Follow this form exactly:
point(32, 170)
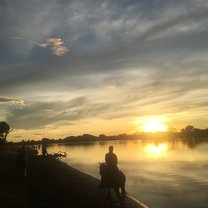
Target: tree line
point(189, 132)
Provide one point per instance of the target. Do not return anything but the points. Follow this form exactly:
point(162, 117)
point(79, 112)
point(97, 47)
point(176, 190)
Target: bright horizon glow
point(151, 124)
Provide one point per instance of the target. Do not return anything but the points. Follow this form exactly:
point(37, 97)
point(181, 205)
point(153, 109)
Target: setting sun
point(151, 124)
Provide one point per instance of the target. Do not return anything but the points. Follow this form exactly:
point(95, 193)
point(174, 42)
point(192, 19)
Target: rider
point(111, 160)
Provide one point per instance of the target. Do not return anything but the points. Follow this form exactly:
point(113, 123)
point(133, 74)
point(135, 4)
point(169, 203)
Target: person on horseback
point(111, 160)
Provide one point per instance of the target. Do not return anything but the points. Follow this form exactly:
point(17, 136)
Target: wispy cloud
point(11, 100)
point(56, 45)
point(41, 114)
point(185, 20)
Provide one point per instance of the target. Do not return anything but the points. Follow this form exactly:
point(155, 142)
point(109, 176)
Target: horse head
point(102, 168)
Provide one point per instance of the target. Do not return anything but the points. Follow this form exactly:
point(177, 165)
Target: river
point(165, 174)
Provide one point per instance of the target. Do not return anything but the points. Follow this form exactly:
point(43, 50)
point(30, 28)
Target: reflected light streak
point(156, 150)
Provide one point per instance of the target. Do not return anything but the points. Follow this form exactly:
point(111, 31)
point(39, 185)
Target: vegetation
point(190, 131)
point(4, 131)
point(186, 134)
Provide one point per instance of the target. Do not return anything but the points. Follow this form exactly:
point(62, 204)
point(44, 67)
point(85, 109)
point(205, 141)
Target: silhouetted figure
point(22, 161)
point(44, 150)
point(111, 160)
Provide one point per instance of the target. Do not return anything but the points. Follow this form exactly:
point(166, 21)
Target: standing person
point(22, 161)
point(111, 160)
point(44, 150)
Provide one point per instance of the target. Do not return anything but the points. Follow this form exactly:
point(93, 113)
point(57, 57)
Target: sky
point(69, 67)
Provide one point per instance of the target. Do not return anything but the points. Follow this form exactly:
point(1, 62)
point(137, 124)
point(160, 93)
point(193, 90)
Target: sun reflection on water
point(156, 150)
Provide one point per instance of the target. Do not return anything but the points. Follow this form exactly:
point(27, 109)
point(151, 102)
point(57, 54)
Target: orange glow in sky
point(151, 124)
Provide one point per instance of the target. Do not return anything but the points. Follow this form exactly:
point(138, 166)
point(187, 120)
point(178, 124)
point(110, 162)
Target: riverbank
point(49, 183)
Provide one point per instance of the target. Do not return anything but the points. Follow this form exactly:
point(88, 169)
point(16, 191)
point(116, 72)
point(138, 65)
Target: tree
point(189, 128)
point(4, 130)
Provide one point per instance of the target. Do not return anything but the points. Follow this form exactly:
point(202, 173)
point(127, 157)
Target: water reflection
point(161, 174)
point(156, 150)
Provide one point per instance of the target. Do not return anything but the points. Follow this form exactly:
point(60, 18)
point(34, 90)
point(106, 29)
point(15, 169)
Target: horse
point(113, 179)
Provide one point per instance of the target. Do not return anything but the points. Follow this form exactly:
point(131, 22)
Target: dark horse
point(113, 180)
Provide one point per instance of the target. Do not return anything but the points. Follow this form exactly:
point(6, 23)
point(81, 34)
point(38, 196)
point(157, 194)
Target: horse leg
point(119, 196)
point(123, 191)
point(109, 197)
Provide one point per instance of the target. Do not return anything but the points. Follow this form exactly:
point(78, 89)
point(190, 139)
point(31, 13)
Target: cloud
point(40, 114)
point(56, 46)
point(11, 101)
point(187, 18)
point(130, 54)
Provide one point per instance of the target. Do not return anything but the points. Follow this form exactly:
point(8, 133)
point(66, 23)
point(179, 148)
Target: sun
point(151, 124)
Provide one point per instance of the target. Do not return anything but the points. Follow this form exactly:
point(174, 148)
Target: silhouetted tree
point(187, 131)
point(189, 128)
point(4, 130)
point(192, 132)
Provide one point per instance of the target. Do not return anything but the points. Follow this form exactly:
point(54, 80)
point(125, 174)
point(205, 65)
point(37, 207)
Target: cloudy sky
point(102, 66)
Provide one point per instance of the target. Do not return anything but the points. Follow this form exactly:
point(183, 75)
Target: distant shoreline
point(187, 134)
point(85, 139)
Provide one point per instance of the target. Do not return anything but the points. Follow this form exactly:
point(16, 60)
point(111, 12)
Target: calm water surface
point(160, 174)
